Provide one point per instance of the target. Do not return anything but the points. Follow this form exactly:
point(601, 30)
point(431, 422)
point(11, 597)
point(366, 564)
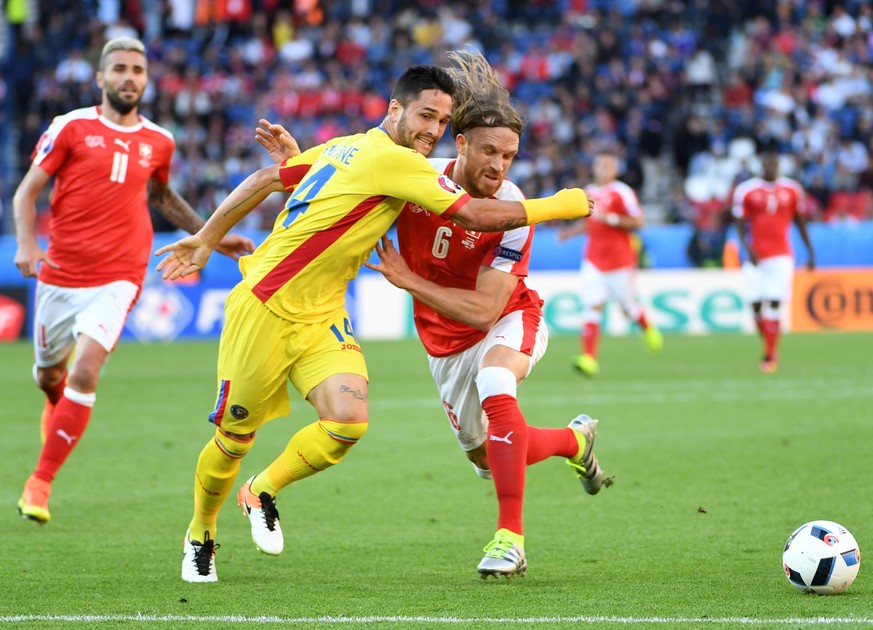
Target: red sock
point(590, 337)
point(771, 337)
point(65, 429)
point(642, 322)
point(543, 443)
point(507, 452)
point(759, 323)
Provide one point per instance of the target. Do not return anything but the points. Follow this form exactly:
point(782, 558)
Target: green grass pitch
point(715, 466)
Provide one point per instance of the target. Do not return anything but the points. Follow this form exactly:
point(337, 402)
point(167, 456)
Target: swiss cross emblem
point(145, 154)
point(470, 239)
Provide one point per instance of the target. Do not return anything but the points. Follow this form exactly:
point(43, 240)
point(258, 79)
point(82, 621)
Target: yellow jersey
point(346, 194)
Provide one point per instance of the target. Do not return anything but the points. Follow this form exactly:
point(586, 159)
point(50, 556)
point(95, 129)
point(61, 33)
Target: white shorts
point(599, 286)
point(455, 375)
point(769, 280)
point(63, 313)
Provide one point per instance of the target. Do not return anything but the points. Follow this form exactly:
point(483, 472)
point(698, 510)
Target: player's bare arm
point(191, 253)
point(180, 213)
point(480, 308)
point(800, 222)
point(493, 215)
point(623, 221)
point(175, 209)
point(744, 240)
point(29, 254)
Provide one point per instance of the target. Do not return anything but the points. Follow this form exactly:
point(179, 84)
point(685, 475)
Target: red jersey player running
point(608, 267)
point(482, 326)
point(108, 162)
point(768, 205)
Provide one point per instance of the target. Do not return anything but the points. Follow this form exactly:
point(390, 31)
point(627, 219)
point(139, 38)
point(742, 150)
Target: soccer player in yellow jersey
point(286, 318)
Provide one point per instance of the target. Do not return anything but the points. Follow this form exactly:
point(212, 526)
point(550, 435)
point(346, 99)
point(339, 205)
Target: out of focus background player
point(765, 208)
point(109, 165)
point(609, 261)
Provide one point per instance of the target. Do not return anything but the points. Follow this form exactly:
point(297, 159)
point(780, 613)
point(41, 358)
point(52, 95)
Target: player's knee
point(234, 445)
point(49, 377)
point(344, 435)
point(494, 381)
point(769, 311)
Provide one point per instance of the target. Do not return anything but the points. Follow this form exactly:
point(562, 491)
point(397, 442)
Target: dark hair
point(417, 79)
point(480, 100)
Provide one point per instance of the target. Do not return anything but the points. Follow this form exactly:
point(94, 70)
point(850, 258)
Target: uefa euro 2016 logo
point(161, 313)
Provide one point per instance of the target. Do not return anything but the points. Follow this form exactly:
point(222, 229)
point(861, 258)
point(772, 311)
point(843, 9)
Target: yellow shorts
point(260, 352)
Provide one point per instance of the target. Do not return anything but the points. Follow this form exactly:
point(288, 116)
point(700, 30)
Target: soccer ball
point(821, 557)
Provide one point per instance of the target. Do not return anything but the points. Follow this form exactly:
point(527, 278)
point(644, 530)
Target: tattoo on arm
point(255, 193)
point(511, 224)
point(176, 210)
point(357, 393)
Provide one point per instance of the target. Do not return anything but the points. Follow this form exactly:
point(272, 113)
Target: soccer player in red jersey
point(764, 209)
point(108, 164)
point(286, 320)
point(609, 263)
point(481, 325)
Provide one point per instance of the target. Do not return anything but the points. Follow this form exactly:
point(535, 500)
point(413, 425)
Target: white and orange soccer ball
point(821, 557)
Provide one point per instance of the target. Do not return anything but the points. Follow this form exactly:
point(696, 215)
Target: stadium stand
point(683, 89)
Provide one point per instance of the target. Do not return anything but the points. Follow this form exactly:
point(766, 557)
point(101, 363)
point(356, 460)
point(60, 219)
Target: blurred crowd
point(683, 89)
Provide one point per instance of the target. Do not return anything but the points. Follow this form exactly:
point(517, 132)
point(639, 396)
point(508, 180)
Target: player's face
point(123, 80)
point(770, 166)
point(484, 157)
point(422, 123)
point(605, 168)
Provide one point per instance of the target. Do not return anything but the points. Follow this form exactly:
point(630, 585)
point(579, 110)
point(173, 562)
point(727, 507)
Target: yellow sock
point(313, 448)
point(217, 469)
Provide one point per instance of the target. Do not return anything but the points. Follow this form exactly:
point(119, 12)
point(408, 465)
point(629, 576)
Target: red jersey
point(451, 256)
point(100, 230)
point(769, 208)
point(609, 248)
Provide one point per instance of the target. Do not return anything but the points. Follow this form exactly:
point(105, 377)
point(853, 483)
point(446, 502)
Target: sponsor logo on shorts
point(239, 412)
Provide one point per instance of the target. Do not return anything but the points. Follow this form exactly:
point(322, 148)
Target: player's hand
point(391, 264)
point(27, 258)
point(753, 258)
point(234, 245)
point(810, 263)
point(280, 144)
point(591, 203)
point(187, 256)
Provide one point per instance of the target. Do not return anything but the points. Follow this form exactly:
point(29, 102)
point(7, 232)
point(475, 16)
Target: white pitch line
point(747, 621)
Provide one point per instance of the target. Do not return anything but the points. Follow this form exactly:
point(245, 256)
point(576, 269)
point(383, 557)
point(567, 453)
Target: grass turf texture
point(715, 466)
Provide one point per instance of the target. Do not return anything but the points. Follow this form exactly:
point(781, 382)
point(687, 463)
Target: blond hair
point(120, 43)
point(480, 100)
